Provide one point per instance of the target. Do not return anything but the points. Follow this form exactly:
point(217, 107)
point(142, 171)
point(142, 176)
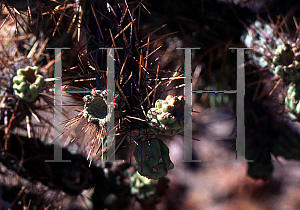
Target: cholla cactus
point(167, 117)
point(27, 82)
point(152, 158)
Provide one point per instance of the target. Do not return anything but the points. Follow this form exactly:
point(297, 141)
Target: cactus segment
point(152, 158)
point(26, 83)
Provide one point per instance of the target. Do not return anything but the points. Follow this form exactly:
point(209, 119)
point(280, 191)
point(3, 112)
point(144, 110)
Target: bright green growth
point(286, 62)
point(167, 117)
point(292, 102)
point(152, 158)
point(27, 82)
point(142, 187)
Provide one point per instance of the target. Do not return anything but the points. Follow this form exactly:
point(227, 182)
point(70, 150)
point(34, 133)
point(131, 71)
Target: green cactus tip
point(27, 82)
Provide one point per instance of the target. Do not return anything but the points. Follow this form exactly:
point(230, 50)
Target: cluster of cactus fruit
point(167, 117)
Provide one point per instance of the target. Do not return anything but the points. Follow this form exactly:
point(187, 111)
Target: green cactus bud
point(152, 158)
point(27, 82)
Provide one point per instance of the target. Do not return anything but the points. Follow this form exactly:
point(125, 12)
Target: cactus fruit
point(27, 82)
point(292, 103)
point(152, 158)
point(286, 62)
point(167, 117)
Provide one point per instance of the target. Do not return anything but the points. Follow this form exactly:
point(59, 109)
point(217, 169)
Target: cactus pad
point(27, 82)
point(152, 158)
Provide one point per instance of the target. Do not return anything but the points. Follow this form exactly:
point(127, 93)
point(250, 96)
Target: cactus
point(27, 82)
point(152, 158)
